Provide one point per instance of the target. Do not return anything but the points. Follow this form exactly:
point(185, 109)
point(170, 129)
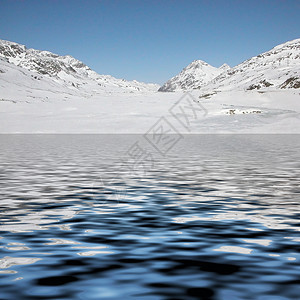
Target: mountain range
point(28, 73)
point(278, 68)
point(31, 71)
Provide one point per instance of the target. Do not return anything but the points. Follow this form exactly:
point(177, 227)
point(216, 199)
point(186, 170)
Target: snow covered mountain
point(278, 68)
point(195, 75)
point(41, 92)
point(54, 73)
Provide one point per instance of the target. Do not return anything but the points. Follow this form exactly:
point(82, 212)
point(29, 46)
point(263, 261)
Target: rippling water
point(216, 218)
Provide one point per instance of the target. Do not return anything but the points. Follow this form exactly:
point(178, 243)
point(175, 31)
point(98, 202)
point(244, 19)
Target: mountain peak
point(66, 70)
point(197, 74)
point(277, 68)
point(199, 62)
point(224, 67)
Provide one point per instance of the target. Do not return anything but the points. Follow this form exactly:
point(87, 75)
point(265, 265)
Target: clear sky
point(150, 40)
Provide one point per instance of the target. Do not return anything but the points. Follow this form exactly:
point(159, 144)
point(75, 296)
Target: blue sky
point(150, 40)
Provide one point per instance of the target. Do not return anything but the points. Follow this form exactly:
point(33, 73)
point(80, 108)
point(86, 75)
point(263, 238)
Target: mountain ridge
point(66, 70)
point(197, 73)
point(278, 68)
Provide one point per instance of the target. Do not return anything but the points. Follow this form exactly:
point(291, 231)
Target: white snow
point(266, 71)
point(195, 75)
point(86, 102)
point(66, 70)
point(136, 113)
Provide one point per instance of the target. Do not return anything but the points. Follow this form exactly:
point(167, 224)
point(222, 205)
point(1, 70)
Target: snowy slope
point(31, 103)
point(227, 112)
point(195, 75)
point(44, 93)
point(66, 71)
point(278, 68)
point(21, 85)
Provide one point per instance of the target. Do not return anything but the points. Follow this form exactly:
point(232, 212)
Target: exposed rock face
point(292, 83)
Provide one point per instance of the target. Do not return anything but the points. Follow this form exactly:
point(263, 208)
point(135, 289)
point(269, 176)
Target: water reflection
point(216, 219)
point(234, 249)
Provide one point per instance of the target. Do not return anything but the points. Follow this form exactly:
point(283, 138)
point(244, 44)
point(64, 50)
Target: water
point(216, 218)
